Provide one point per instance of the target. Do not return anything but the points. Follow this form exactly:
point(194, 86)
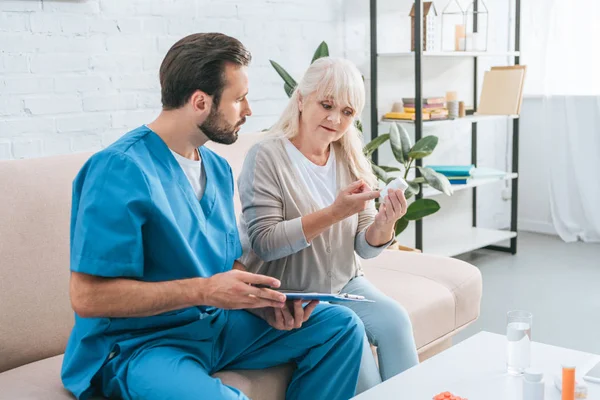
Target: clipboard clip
point(352, 296)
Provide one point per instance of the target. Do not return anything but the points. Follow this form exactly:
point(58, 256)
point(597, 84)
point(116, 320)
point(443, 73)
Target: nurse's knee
point(347, 320)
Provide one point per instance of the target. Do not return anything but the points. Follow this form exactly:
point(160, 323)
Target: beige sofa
point(442, 295)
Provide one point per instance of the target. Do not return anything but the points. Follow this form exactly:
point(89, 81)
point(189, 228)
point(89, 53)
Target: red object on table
point(447, 396)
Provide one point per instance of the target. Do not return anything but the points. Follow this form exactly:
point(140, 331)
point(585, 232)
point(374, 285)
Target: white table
point(476, 369)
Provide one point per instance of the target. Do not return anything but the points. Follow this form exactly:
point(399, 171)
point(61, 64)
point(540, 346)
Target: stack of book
point(456, 174)
point(433, 109)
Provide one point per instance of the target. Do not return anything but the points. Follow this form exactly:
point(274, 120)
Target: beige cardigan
point(274, 199)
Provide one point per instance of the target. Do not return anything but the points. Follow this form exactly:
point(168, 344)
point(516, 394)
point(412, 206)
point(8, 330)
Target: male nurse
point(160, 302)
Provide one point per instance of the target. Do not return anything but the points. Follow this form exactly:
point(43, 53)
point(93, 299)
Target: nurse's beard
point(218, 130)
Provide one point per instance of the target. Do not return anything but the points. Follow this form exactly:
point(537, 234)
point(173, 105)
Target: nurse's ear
point(201, 101)
point(300, 102)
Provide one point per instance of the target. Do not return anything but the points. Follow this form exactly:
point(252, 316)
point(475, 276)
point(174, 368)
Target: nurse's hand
point(232, 290)
point(287, 318)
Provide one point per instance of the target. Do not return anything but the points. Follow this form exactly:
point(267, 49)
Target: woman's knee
point(391, 318)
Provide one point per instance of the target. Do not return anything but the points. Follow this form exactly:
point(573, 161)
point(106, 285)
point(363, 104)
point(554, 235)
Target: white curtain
point(563, 61)
point(572, 124)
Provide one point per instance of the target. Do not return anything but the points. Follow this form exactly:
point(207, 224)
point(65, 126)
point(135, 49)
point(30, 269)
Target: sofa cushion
point(41, 380)
point(442, 295)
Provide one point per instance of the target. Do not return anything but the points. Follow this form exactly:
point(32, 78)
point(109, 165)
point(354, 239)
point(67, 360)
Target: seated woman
point(308, 211)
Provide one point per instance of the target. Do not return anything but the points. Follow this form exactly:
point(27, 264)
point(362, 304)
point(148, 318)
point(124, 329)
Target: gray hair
point(339, 80)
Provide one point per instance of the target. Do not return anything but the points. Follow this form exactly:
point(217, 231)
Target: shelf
point(428, 191)
point(449, 241)
point(468, 118)
point(454, 54)
point(444, 235)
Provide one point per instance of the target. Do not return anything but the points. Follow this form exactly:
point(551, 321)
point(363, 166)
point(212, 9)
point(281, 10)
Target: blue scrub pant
point(327, 350)
point(388, 327)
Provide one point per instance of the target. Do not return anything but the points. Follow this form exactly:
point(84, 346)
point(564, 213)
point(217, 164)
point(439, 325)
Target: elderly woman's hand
point(353, 199)
point(391, 210)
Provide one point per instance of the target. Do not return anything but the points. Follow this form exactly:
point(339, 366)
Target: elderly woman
point(308, 211)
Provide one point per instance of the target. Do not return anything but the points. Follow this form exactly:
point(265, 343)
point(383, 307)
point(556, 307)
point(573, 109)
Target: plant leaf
point(423, 147)
point(405, 140)
point(401, 225)
point(288, 89)
point(390, 169)
point(380, 174)
point(418, 180)
point(436, 180)
point(421, 208)
point(414, 188)
point(322, 51)
point(358, 125)
point(375, 143)
point(287, 78)
point(396, 143)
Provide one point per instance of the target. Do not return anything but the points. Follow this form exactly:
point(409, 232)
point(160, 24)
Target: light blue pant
point(327, 350)
point(388, 327)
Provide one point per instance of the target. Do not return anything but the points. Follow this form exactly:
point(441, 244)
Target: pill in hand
point(397, 183)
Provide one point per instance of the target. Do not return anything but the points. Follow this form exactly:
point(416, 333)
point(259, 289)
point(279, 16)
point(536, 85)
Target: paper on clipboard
point(342, 297)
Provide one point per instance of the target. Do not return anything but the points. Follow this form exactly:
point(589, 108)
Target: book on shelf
point(405, 116)
point(424, 106)
point(425, 100)
point(425, 110)
point(438, 113)
point(458, 180)
point(462, 174)
point(461, 171)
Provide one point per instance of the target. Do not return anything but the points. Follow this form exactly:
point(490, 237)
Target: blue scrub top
point(134, 215)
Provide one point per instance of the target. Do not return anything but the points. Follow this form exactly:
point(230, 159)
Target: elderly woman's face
point(326, 118)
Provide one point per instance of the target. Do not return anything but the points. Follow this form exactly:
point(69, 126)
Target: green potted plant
point(404, 152)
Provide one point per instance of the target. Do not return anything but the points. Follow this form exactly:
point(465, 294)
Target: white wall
point(77, 74)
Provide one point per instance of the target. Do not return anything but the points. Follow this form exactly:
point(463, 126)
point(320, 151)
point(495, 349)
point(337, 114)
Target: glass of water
point(518, 333)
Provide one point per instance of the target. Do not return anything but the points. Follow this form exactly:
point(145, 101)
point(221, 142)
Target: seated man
point(158, 297)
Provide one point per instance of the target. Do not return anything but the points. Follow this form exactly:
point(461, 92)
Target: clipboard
point(338, 298)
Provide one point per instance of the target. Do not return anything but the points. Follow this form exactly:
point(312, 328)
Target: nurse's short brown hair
point(197, 62)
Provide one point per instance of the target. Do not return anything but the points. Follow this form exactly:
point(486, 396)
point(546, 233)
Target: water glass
point(518, 333)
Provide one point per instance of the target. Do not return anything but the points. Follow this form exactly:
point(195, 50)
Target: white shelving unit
point(446, 238)
point(473, 182)
point(450, 241)
point(466, 119)
point(454, 54)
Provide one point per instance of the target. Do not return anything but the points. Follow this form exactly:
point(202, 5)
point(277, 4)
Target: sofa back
point(35, 312)
point(35, 202)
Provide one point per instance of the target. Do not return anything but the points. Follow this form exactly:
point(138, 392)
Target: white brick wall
point(76, 75)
